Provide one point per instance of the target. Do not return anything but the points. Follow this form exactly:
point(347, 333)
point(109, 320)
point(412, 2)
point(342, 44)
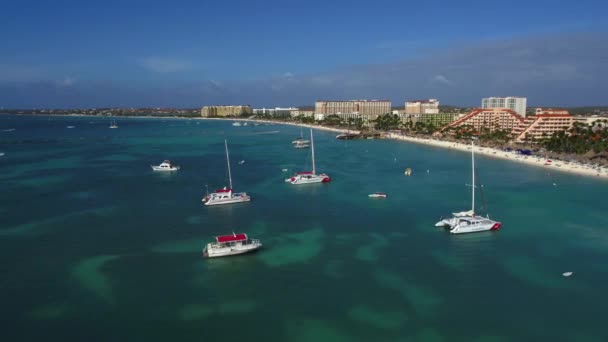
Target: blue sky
point(192, 53)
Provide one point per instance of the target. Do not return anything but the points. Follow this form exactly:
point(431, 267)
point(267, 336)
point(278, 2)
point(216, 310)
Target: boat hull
point(234, 199)
point(482, 227)
point(158, 168)
point(230, 251)
point(308, 179)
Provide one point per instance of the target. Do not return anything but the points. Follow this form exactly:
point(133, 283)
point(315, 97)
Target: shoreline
point(555, 165)
point(535, 160)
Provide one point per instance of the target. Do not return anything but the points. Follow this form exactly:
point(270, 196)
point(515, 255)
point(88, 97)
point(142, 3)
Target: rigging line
point(483, 200)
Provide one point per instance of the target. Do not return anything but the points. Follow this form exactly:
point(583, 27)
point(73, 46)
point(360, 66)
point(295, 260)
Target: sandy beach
point(553, 165)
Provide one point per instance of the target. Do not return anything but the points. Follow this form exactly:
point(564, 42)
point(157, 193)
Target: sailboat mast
point(228, 161)
point(473, 176)
point(312, 145)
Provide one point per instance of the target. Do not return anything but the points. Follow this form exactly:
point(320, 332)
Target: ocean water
point(95, 246)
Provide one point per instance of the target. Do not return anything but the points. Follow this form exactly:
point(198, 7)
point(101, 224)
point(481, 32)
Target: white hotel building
point(516, 104)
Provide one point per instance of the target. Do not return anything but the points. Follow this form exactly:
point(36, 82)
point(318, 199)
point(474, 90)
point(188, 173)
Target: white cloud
point(441, 79)
point(66, 81)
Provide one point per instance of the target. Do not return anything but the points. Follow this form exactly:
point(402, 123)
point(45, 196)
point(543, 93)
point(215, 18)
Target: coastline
point(555, 165)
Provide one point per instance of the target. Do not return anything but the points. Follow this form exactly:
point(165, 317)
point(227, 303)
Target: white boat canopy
point(464, 213)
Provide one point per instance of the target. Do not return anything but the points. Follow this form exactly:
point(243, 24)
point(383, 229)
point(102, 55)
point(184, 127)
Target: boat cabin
point(232, 240)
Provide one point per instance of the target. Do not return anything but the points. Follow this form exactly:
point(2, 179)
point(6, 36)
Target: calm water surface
point(95, 246)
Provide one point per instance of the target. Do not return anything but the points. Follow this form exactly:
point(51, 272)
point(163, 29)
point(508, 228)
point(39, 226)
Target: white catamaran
point(301, 142)
point(309, 177)
point(467, 221)
point(225, 195)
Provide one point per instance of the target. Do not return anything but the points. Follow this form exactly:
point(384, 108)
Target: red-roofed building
point(544, 124)
point(490, 118)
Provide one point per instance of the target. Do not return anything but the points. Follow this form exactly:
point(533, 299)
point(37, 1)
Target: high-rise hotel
point(368, 109)
point(516, 104)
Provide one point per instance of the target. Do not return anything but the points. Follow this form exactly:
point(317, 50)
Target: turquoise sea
point(95, 246)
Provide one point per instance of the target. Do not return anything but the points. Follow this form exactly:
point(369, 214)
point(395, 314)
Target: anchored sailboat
point(467, 221)
point(225, 195)
point(309, 177)
point(301, 142)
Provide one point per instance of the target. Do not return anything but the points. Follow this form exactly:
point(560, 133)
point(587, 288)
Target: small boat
point(378, 195)
point(567, 274)
point(284, 170)
point(347, 136)
point(225, 195)
point(548, 162)
point(8, 130)
point(469, 221)
point(113, 124)
point(303, 144)
point(1, 154)
point(236, 124)
point(241, 162)
point(245, 124)
point(309, 177)
point(301, 141)
point(165, 166)
point(234, 244)
point(70, 126)
point(408, 172)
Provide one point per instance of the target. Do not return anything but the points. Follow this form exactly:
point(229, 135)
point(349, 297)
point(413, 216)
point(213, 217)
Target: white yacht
point(225, 195)
point(309, 177)
point(468, 221)
point(165, 166)
point(378, 195)
point(113, 124)
point(234, 244)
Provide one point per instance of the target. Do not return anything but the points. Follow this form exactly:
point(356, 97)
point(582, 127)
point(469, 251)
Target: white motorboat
point(236, 124)
point(70, 126)
point(468, 221)
point(165, 166)
point(309, 177)
point(1, 154)
point(241, 162)
point(378, 195)
point(234, 244)
point(225, 195)
point(303, 144)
